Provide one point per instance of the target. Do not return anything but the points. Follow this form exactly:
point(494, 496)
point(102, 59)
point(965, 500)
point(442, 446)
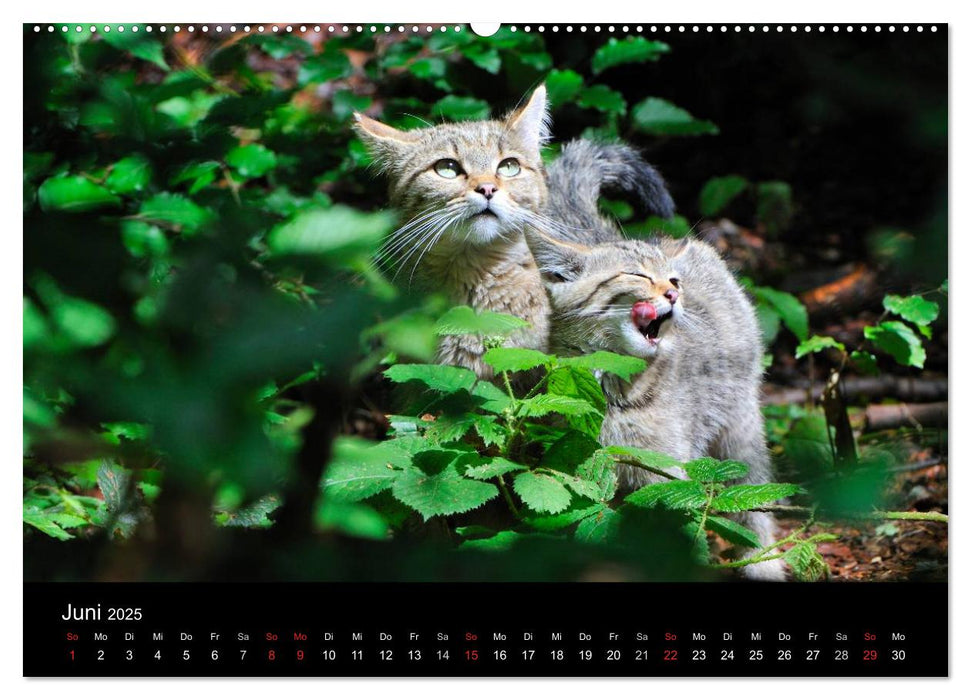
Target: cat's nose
point(486, 189)
point(671, 295)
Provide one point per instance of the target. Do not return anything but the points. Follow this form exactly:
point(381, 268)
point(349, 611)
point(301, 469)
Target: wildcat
point(469, 190)
point(676, 305)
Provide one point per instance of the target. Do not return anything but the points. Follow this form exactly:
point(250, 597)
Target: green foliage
point(817, 343)
point(632, 49)
point(786, 308)
point(74, 193)
point(916, 309)
point(899, 341)
point(660, 117)
point(719, 192)
point(775, 208)
point(463, 320)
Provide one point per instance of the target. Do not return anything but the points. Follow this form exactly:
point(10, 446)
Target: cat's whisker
point(402, 234)
point(448, 223)
point(429, 234)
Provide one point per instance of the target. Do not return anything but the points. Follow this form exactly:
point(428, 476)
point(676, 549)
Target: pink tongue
point(643, 312)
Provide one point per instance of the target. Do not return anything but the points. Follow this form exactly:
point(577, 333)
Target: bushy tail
point(583, 169)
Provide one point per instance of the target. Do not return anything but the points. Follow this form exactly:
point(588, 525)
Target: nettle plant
point(891, 334)
point(468, 442)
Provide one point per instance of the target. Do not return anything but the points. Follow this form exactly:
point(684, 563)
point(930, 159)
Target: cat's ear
point(558, 261)
point(384, 142)
point(531, 123)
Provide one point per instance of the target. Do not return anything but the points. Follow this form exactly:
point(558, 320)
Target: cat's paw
point(772, 570)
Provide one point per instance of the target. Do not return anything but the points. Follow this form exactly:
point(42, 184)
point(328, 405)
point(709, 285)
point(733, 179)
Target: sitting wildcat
point(469, 190)
point(675, 304)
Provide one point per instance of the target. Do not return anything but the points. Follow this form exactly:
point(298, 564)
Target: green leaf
point(455, 108)
point(732, 531)
point(490, 398)
point(198, 174)
point(599, 468)
point(338, 233)
point(709, 470)
point(603, 99)
point(188, 111)
point(85, 324)
point(790, 309)
point(747, 496)
point(542, 492)
point(279, 46)
point(633, 49)
point(544, 404)
point(176, 212)
point(579, 486)
point(570, 450)
point(817, 343)
point(648, 457)
point(253, 515)
point(449, 428)
point(436, 377)
point(344, 103)
point(624, 366)
point(719, 192)
point(490, 430)
point(141, 44)
point(599, 527)
point(251, 160)
point(579, 383)
point(864, 362)
point(358, 472)
point(899, 341)
point(498, 542)
point(660, 117)
point(463, 320)
point(444, 493)
point(35, 327)
point(915, 309)
point(485, 57)
point(331, 64)
point(806, 562)
point(808, 446)
point(74, 193)
point(774, 208)
point(113, 482)
point(551, 523)
point(355, 519)
point(143, 240)
point(562, 86)
point(128, 175)
point(515, 359)
point(675, 494)
point(431, 68)
point(496, 466)
point(43, 522)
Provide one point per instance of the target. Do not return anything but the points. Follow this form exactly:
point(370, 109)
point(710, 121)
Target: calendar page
point(485, 350)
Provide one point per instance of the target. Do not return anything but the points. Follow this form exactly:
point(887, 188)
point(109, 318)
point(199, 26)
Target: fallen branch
point(904, 388)
point(807, 512)
point(887, 417)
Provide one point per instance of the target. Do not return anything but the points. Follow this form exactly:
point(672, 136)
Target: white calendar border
point(548, 11)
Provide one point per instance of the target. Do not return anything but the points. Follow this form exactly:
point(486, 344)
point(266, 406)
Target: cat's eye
point(509, 168)
point(448, 168)
point(676, 282)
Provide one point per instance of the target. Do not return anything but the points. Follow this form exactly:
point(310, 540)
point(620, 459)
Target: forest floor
point(892, 550)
